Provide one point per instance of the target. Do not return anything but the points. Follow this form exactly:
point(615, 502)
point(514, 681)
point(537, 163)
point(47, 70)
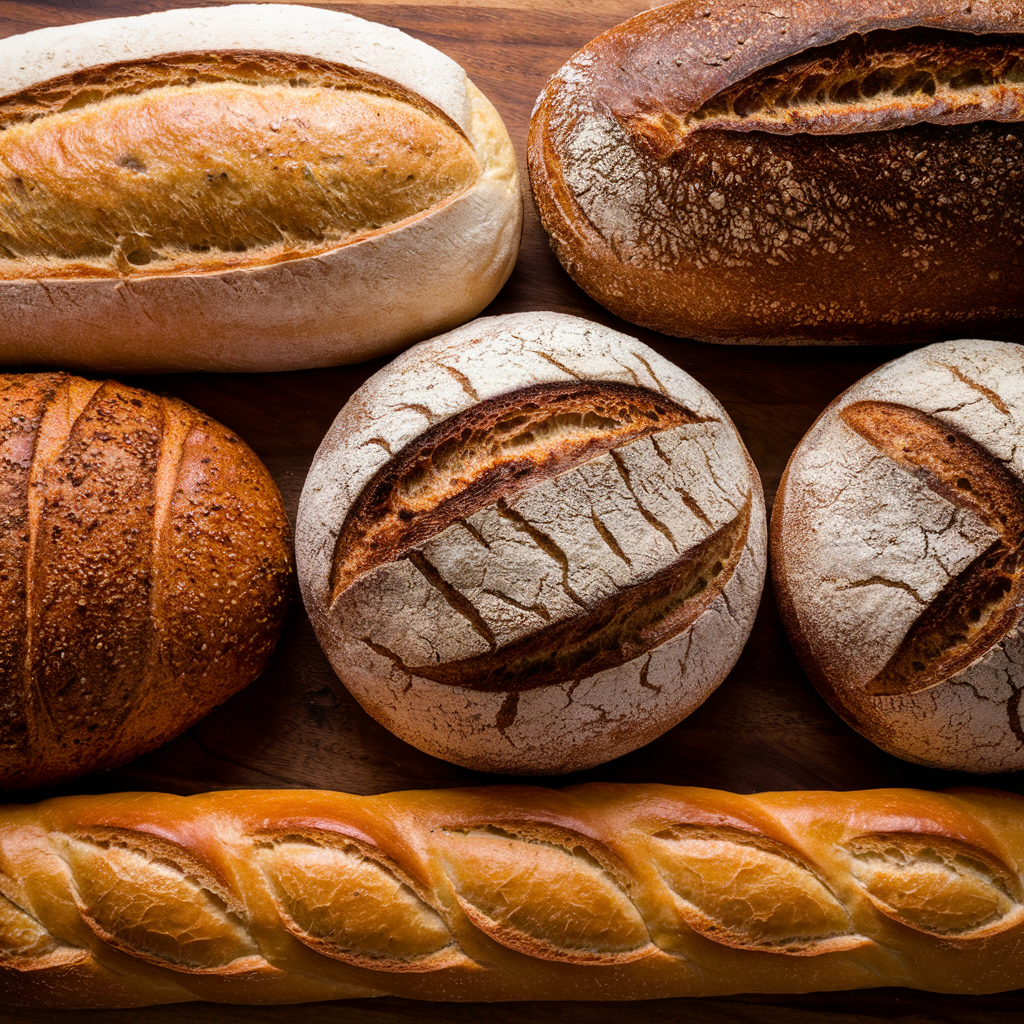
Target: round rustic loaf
point(810, 173)
point(896, 555)
point(531, 544)
point(144, 571)
point(249, 187)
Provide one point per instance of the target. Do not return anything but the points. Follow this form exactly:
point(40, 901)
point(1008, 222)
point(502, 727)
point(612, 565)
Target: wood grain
point(765, 728)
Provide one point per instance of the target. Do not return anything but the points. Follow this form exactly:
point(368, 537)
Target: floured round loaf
point(896, 555)
point(251, 187)
point(531, 544)
point(144, 572)
point(802, 173)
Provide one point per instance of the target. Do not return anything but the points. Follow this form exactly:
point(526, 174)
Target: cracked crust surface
point(531, 544)
point(144, 573)
point(507, 893)
point(896, 544)
point(798, 175)
point(281, 187)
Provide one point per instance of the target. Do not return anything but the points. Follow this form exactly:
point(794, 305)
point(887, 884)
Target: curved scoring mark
point(624, 626)
point(935, 884)
point(22, 937)
point(143, 896)
point(881, 81)
point(336, 898)
point(544, 899)
point(495, 449)
point(977, 609)
point(745, 891)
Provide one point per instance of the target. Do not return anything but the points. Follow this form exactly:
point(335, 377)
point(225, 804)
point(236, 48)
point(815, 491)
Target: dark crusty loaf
point(595, 892)
point(252, 187)
point(531, 544)
point(801, 173)
point(897, 540)
point(144, 568)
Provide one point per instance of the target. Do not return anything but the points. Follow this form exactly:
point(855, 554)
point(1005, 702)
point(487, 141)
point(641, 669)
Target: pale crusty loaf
point(808, 172)
point(253, 187)
point(531, 544)
point(144, 572)
point(896, 555)
point(596, 892)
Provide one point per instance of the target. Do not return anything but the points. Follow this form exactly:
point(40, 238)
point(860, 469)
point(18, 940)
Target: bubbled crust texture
point(293, 253)
point(568, 615)
point(858, 222)
point(145, 567)
point(881, 559)
point(596, 892)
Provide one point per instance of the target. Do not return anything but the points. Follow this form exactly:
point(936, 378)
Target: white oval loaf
point(243, 188)
point(531, 544)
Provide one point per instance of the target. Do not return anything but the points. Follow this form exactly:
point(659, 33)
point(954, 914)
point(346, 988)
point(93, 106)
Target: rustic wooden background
point(296, 726)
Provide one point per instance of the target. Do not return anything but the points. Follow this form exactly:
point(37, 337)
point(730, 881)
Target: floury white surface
point(865, 549)
point(443, 639)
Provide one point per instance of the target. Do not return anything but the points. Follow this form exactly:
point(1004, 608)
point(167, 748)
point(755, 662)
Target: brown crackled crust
point(795, 176)
point(507, 893)
point(146, 561)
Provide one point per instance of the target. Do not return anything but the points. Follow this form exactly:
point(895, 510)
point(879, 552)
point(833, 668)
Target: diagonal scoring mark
point(976, 609)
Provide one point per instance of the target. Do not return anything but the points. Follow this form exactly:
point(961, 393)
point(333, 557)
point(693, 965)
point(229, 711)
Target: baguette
point(254, 188)
point(531, 545)
point(144, 572)
point(808, 173)
point(596, 892)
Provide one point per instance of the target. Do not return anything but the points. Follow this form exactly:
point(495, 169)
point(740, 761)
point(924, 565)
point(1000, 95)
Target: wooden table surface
point(296, 726)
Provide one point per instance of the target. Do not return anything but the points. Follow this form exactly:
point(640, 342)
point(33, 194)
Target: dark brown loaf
point(144, 568)
point(897, 542)
point(531, 544)
point(808, 173)
point(596, 892)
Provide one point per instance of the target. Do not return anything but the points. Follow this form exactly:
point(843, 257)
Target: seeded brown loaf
point(531, 544)
point(596, 892)
point(144, 569)
point(251, 187)
point(896, 555)
point(802, 173)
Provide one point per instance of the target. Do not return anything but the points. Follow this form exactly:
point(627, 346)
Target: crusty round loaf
point(531, 544)
point(251, 187)
point(803, 173)
point(896, 555)
point(595, 892)
point(144, 571)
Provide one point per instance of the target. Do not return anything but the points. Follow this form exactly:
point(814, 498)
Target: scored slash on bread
point(545, 550)
point(599, 891)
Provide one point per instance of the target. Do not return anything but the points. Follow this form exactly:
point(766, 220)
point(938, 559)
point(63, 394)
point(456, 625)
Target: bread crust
point(146, 569)
point(579, 587)
point(365, 298)
point(863, 226)
point(507, 893)
point(889, 567)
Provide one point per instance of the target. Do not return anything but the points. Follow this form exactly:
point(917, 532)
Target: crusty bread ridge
point(817, 173)
point(144, 572)
point(274, 301)
point(895, 548)
point(596, 892)
point(531, 544)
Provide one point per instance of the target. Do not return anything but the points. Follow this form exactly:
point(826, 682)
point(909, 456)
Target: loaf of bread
point(144, 571)
point(806, 172)
point(896, 553)
point(532, 544)
point(243, 188)
point(597, 892)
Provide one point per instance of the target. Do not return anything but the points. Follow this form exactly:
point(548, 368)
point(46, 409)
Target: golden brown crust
point(149, 567)
point(717, 176)
point(599, 891)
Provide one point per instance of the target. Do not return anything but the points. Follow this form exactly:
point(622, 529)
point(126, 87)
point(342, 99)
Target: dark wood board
point(296, 726)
